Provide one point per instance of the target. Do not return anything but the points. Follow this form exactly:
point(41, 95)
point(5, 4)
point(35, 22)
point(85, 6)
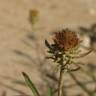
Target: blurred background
point(22, 47)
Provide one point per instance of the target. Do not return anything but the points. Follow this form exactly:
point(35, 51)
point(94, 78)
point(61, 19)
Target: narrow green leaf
point(49, 92)
point(30, 84)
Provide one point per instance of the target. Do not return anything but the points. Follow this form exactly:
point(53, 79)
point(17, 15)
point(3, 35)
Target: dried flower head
point(33, 16)
point(66, 45)
point(66, 39)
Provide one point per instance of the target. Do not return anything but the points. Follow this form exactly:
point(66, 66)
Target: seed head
point(66, 39)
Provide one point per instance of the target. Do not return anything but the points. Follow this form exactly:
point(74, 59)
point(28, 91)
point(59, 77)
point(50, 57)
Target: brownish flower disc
point(66, 39)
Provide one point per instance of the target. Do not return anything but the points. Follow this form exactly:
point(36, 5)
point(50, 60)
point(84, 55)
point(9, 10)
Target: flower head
point(66, 39)
point(65, 48)
point(33, 16)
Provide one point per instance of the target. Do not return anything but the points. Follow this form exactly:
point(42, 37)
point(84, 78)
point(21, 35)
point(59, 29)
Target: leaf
point(49, 92)
point(47, 44)
point(30, 84)
point(50, 51)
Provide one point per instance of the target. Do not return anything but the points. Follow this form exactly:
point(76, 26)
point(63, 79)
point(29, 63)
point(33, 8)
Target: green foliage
point(49, 92)
point(30, 84)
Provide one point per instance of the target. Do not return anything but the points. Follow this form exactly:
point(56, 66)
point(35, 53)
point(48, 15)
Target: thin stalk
point(60, 81)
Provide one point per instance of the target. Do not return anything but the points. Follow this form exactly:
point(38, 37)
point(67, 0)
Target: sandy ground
point(14, 27)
